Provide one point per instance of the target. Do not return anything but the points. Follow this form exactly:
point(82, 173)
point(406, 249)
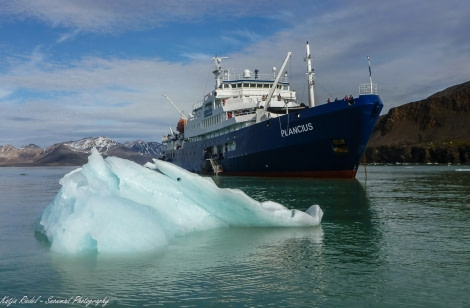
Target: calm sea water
point(399, 237)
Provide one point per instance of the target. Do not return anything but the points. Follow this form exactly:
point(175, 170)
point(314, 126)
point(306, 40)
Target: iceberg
point(115, 205)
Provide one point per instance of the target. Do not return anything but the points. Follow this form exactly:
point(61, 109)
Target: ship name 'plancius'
point(297, 129)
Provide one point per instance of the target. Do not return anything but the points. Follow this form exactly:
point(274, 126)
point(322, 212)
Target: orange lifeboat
point(181, 124)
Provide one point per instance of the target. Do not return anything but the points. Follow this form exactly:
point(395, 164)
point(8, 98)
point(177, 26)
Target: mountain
point(435, 129)
point(75, 153)
point(147, 148)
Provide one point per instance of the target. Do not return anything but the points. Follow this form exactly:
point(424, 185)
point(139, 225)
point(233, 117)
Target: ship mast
point(217, 70)
point(310, 77)
point(370, 75)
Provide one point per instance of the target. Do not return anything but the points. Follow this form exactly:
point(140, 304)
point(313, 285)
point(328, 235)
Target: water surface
point(398, 237)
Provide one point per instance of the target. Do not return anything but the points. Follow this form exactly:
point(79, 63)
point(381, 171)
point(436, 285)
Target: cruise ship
point(252, 124)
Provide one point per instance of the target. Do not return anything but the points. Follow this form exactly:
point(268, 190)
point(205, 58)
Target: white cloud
point(126, 95)
point(5, 92)
point(68, 36)
point(123, 15)
point(417, 48)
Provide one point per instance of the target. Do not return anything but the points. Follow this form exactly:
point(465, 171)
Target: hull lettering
point(297, 129)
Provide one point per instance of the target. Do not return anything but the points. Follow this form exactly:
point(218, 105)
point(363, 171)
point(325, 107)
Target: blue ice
point(114, 205)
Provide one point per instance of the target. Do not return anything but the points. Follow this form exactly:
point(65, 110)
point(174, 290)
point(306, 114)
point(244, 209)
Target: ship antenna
point(310, 78)
point(218, 70)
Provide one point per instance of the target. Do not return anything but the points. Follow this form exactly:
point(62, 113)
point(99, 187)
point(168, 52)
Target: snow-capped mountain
point(143, 147)
point(86, 145)
point(75, 153)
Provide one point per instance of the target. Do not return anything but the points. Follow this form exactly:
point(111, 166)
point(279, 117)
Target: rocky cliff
point(435, 129)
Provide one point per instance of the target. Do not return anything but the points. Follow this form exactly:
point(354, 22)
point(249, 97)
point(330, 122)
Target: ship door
point(208, 153)
point(220, 152)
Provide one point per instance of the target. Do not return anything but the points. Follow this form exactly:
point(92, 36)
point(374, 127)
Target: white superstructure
point(237, 101)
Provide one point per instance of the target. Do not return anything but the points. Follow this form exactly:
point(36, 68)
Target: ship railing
point(197, 105)
point(252, 76)
point(368, 88)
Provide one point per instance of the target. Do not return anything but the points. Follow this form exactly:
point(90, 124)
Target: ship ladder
point(217, 168)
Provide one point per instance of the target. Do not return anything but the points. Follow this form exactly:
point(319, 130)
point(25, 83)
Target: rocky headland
point(433, 130)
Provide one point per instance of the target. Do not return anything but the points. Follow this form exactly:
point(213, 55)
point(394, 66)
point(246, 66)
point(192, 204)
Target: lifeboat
point(181, 124)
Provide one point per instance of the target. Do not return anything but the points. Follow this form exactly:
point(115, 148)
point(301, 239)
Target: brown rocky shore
point(433, 130)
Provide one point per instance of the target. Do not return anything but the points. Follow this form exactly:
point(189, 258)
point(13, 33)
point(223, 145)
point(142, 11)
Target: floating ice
point(115, 205)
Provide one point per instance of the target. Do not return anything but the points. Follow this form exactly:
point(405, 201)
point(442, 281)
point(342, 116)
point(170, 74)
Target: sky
point(72, 69)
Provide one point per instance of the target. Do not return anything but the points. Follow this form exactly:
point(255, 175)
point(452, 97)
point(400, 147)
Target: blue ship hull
point(328, 140)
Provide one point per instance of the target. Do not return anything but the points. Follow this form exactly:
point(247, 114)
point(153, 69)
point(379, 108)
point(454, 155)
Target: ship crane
point(276, 81)
point(176, 107)
point(183, 120)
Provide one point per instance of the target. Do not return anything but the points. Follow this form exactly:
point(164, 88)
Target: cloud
point(5, 92)
point(241, 37)
point(95, 96)
point(125, 15)
point(89, 15)
point(417, 48)
point(196, 56)
point(68, 36)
